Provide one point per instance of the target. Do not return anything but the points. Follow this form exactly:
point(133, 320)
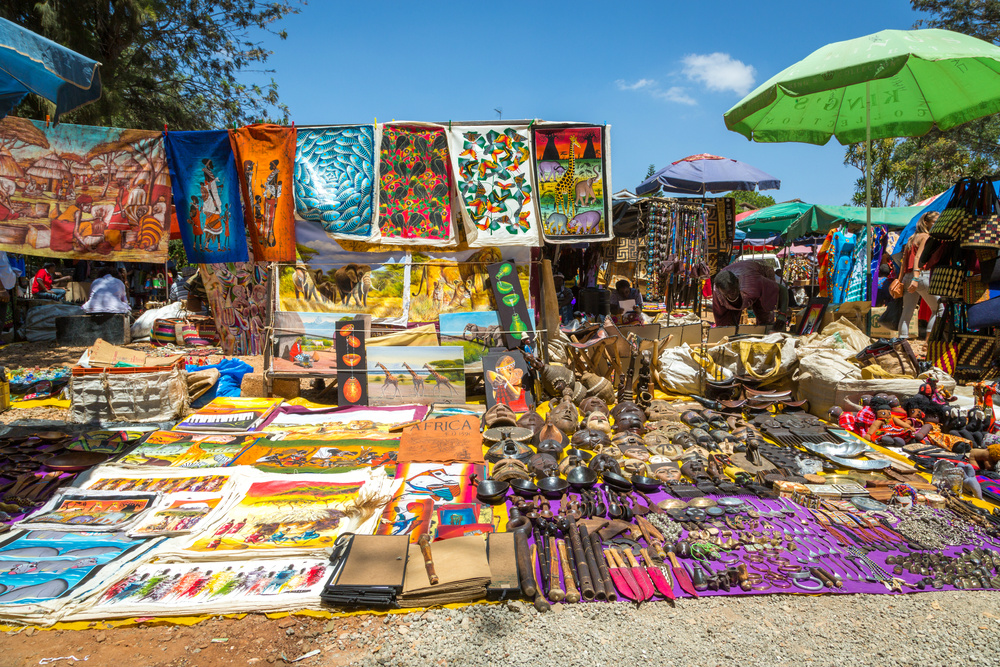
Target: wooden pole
point(550, 307)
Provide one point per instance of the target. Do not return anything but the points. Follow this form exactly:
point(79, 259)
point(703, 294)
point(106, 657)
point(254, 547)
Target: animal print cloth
point(574, 182)
point(492, 166)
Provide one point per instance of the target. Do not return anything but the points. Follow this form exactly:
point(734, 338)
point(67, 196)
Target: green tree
point(173, 62)
point(650, 170)
point(175, 252)
point(888, 182)
point(752, 197)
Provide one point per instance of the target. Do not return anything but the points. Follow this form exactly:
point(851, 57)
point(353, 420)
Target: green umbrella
point(916, 80)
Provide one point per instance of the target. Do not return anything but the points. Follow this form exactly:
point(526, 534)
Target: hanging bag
point(942, 348)
point(948, 226)
point(948, 276)
point(983, 229)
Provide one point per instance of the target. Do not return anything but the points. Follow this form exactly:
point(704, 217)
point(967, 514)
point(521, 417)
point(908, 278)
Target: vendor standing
point(107, 295)
point(748, 284)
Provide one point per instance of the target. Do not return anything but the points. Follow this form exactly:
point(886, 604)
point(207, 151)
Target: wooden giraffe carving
point(418, 382)
point(390, 379)
point(440, 380)
point(565, 194)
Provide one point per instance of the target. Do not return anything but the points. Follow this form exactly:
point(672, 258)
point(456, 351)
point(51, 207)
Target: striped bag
point(164, 332)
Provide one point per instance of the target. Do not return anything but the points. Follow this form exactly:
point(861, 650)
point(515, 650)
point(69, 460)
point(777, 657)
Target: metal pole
point(868, 201)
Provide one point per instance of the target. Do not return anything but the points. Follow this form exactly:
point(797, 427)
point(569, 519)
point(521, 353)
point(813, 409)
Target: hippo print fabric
point(574, 182)
point(415, 186)
point(334, 180)
point(492, 167)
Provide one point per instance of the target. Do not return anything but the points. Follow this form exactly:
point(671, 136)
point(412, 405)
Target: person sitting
point(625, 292)
point(42, 284)
point(748, 284)
point(107, 295)
point(178, 288)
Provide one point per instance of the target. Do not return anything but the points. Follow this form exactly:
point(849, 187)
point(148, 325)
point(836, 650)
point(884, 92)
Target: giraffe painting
point(571, 169)
point(441, 381)
point(390, 379)
point(565, 193)
point(418, 382)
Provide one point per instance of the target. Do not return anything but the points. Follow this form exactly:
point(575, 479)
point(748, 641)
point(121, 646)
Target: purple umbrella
point(698, 174)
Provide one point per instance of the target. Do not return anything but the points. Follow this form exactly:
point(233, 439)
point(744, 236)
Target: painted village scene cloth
point(81, 192)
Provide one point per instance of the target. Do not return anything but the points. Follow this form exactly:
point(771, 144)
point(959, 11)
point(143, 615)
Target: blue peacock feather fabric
point(334, 179)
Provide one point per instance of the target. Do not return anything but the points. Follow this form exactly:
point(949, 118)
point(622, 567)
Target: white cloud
point(638, 85)
point(651, 87)
point(675, 94)
point(720, 71)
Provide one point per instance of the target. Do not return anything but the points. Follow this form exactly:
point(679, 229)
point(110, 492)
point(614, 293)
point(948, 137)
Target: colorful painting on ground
point(36, 567)
point(304, 513)
point(80, 192)
point(265, 159)
point(457, 282)
point(329, 279)
point(230, 414)
point(492, 167)
point(91, 510)
point(312, 456)
point(415, 186)
point(425, 486)
point(163, 484)
point(177, 514)
point(166, 589)
point(400, 375)
point(335, 178)
point(477, 333)
point(187, 450)
point(294, 422)
point(206, 189)
point(105, 442)
point(574, 189)
point(238, 297)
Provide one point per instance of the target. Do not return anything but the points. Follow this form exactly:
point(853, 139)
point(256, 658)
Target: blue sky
point(662, 74)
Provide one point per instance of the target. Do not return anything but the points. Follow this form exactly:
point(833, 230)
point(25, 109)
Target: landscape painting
point(402, 375)
point(329, 279)
point(476, 332)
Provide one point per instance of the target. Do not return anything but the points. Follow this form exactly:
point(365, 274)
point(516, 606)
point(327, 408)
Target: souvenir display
point(96, 511)
point(401, 375)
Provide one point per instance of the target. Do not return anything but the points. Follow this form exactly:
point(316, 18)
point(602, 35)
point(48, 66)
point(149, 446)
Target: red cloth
point(847, 421)
point(42, 282)
point(758, 290)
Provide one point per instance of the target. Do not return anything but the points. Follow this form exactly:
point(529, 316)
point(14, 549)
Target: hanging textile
point(238, 296)
point(334, 180)
point(207, 192)
point(574, 182)
point(265, 155)
point(844, 247)
point(856, 283)
point(415, 186)
point(824, 259)
point(492, 167)
point(80, 192)
point(720, 232)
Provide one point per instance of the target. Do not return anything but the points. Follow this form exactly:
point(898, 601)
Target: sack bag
point(894, 356)
point(983, 229)
point(948, 226)
point(947, 281)
point(984, 314)
point(975, 349)
point(896, 288)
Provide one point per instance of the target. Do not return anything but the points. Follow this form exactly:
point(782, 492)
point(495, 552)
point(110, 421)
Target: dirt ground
point(252, 640)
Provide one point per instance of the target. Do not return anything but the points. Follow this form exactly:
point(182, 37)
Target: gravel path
point(871, 630)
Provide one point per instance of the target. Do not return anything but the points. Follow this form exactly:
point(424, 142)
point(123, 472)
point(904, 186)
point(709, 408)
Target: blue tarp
point(231, 372)
point(29, 63)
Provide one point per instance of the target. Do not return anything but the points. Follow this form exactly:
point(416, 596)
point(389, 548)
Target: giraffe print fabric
point(492, 167)
point(574, 182)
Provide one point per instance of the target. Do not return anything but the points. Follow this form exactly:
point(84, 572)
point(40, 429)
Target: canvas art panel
point(574, 188)
point(475, 332)
point(507, 381)
point(81, 192)
point(265, 158)
point(414, 185)
point(516, 324)
point(415, 374)
point(335, 180)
